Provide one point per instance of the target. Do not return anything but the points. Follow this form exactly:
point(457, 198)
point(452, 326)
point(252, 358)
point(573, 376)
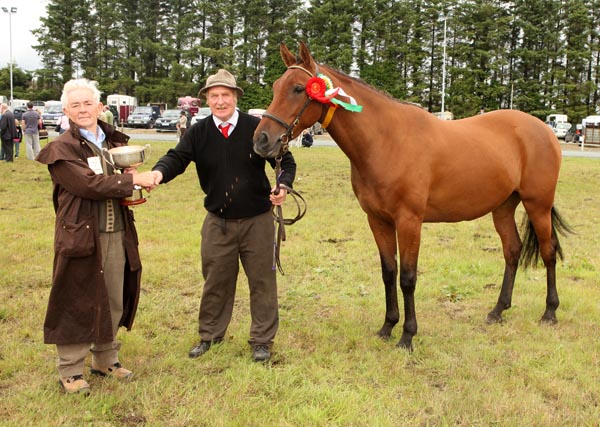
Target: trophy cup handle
point(110, 159)
point(147, 149)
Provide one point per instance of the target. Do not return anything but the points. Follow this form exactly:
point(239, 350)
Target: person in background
point(181, 124)
point(63, 124)
point(8, 132)
point(18, 138)
point(307, 139)
point(239, 223)
point(30, 123)
point(110, 118)
point(97, 269)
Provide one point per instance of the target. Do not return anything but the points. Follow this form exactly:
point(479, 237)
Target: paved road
point(568, 150)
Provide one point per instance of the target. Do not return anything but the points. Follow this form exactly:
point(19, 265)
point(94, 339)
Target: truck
point(125, 105)
point(553, 119)
point(17, 103)
point(591, 130)
point(189, 104)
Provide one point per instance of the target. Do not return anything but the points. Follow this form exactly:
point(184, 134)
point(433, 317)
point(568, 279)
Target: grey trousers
point(71, 357)
point(224, 244)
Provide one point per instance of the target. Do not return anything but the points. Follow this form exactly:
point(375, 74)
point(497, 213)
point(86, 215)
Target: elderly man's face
point(222, 102)
point(82, 109)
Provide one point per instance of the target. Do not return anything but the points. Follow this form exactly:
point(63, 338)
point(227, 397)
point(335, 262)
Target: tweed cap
point(222, 78)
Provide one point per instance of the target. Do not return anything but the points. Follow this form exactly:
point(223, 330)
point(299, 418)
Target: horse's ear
point(288, 57)
point(305, 55)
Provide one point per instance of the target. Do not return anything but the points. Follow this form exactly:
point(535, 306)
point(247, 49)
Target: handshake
point(146, 180)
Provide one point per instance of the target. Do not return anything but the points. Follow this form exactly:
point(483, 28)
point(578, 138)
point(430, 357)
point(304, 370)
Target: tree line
point(539, 56)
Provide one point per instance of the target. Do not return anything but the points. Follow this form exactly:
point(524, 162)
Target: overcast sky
point(26, 19)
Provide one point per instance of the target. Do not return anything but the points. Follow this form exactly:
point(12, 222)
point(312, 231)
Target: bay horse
point(409, 167)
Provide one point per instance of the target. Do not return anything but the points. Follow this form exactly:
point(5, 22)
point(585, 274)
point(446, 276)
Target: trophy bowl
point(130, 156)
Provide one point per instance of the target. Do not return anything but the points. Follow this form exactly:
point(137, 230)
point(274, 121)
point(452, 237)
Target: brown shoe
point(116, 371)
point(74, 384)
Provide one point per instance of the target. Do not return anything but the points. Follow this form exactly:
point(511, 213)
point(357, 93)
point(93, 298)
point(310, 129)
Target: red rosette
point(315, 89)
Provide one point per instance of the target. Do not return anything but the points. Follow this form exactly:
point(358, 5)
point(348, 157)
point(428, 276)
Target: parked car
point(168, 121)
point(574, 134)
point(256, 112)
point(143, 117)
point(560, 129)
point(202, 113)
point(18, 112)
point(52, 114)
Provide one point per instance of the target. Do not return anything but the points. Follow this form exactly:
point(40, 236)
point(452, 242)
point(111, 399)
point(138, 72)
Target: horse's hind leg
point(385, 237)
point(504, 221)
point(545, 240)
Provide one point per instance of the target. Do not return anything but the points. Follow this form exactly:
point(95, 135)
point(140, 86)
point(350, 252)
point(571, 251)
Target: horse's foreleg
point(504, 221)
point(385, 238)
point(409, 240)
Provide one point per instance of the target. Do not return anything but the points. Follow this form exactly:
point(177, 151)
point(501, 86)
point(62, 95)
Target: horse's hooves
point(493, 318)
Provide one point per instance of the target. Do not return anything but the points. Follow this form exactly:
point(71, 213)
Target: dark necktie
point(224, 127)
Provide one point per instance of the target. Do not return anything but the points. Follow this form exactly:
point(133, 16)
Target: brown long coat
point(78, 307)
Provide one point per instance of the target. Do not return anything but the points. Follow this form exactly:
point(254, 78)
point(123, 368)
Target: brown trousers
point(224, 244)
point(71, 357)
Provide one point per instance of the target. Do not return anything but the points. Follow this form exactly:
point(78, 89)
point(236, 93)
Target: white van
point(17, 103)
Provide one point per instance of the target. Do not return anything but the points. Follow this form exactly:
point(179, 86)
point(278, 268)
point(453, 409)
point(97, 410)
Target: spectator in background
point(30, 123)
point(8, 132)
point(181, 124)
point(109, 115)
point(307, 139)
point(18, 138)
point(63, 124)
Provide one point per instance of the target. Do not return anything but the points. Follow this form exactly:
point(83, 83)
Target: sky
point(26, 19)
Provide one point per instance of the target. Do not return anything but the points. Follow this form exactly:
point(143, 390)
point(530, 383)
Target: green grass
point(328, 367)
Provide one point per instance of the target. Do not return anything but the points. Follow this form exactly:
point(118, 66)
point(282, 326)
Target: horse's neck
point(363, 135)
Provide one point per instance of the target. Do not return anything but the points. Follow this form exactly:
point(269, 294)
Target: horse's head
point(291, 110)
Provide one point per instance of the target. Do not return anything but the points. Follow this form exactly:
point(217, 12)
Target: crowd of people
point(97, 267)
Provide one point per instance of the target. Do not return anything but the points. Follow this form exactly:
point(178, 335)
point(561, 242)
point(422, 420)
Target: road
point(568, 150)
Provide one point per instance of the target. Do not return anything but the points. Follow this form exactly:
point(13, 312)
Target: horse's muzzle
point(262, 146)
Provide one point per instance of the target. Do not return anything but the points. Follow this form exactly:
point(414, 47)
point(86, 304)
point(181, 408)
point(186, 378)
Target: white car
point(202, 113)
point(561, 129)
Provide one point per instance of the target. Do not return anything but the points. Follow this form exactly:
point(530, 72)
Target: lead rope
point(280, 221)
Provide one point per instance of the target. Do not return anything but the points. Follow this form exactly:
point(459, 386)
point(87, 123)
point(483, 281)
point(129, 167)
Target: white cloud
point(26, 19)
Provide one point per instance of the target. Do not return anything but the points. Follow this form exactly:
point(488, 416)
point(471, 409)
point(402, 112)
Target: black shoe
point(201, 348)
point(261, 353)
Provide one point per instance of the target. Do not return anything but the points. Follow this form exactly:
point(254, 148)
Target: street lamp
point(10, 14)
point(444, 73)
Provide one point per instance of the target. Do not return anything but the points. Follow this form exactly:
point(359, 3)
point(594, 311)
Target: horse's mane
point(369, 87)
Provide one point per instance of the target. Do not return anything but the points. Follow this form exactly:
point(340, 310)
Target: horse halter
point(289, 128)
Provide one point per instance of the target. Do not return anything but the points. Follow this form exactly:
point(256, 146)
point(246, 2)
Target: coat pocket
point(74, 239)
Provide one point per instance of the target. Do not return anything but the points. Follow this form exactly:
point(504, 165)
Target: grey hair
point(74, 84)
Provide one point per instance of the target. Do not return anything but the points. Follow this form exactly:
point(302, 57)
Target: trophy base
point(126, 202)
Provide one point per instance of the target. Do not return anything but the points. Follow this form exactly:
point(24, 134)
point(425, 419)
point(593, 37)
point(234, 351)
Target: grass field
point(328, 366)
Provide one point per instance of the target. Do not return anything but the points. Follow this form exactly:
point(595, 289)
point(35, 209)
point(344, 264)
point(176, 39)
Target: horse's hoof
point(549, 320)
point(493, 318)
point(405, 346)
point(385, 333)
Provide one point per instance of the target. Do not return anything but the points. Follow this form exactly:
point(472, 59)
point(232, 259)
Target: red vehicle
point(189, 104)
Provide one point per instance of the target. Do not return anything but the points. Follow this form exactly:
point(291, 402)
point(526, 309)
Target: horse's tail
point(530, 255)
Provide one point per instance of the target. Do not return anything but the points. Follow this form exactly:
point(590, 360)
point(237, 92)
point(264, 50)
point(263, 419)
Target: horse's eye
point(298, 89)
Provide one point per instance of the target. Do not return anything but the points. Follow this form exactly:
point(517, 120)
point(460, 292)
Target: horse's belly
point(469, 203)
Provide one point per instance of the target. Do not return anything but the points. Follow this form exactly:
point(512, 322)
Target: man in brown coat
point(97, 268)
